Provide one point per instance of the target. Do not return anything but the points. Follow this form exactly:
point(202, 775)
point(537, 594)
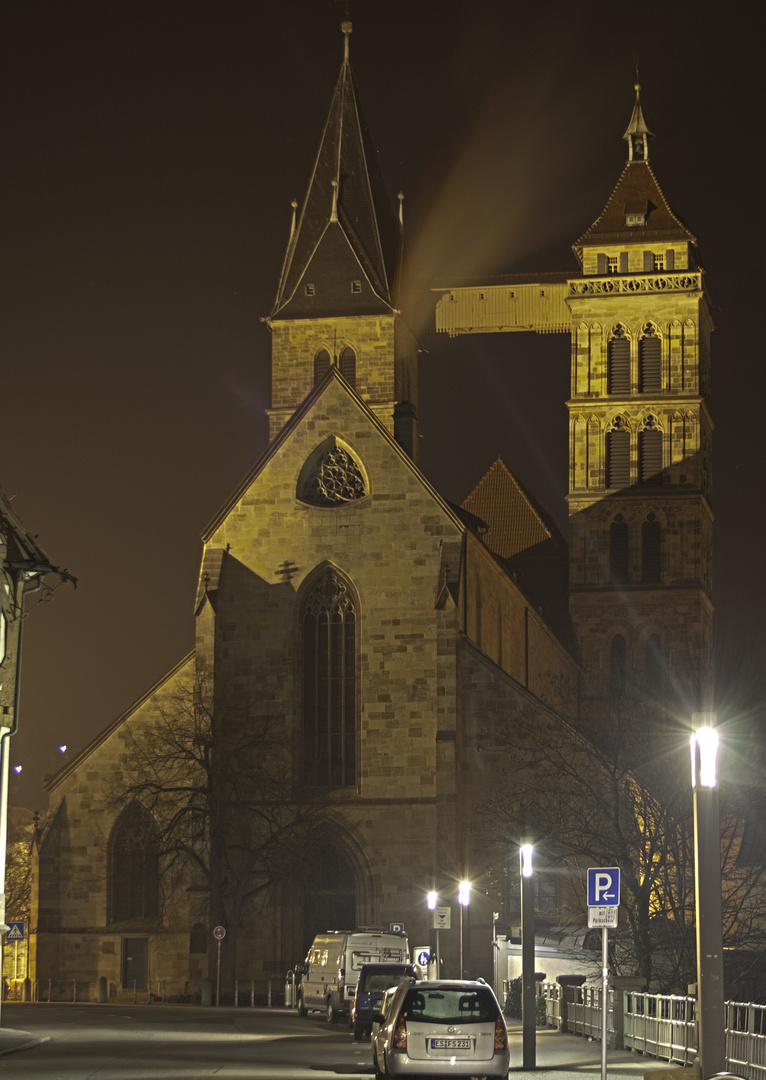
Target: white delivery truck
point(327, 980)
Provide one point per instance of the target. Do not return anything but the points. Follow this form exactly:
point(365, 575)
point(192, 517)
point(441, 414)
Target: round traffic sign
point(219, 933)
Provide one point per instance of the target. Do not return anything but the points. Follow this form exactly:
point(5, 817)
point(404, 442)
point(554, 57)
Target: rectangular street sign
point(604, 917)
point(441, 918)
point(15, 931)
point(604, 887)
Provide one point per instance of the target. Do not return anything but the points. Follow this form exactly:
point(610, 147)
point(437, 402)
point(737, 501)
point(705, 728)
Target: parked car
point(437, 1028)
point(374, 980)
point(327, 980)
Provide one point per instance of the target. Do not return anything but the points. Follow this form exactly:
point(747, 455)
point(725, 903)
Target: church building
point(357, 636)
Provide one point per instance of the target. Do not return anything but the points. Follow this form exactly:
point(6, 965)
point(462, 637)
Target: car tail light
point(501, 1035)
point(400, 1034)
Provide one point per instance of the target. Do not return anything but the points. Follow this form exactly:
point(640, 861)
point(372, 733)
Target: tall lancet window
point(329, 683)
point(347, 365)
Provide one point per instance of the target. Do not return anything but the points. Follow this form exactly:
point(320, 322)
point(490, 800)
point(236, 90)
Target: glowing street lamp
point(707, 881)
point(464, 900)
point(528, 1025)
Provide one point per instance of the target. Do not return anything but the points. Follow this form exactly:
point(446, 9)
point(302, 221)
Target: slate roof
point(514, 521)
point(346, 230)
point(636, 190)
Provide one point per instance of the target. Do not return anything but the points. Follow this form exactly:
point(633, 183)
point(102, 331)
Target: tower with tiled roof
point(335, 303)
point(640, 439)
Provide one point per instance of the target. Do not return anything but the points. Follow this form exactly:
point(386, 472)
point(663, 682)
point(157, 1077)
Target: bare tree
point(219, 783)
point(610, 786)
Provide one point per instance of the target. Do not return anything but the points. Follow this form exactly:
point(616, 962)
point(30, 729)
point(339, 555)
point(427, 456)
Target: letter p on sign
point(604, 887)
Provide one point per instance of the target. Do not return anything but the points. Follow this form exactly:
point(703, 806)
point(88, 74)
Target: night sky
point(150, 152)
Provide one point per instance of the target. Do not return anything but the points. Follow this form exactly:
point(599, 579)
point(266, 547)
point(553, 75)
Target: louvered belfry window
point(650, 453)
point(619, 549)
point(347, 365)
point(651, 551)
point(618, 363)
point(321, 365)
point(649, 361)
point(618, 455)
point(329, 684)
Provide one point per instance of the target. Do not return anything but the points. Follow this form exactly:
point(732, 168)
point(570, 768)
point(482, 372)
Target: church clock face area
point(368, 654)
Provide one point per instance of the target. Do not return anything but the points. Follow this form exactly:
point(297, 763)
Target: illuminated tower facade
point(640, 441)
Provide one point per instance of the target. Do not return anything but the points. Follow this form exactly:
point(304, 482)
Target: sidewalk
point(561, 1056)
point(12, 1040)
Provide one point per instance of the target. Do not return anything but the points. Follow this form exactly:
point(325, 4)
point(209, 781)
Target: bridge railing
point(661, 1025)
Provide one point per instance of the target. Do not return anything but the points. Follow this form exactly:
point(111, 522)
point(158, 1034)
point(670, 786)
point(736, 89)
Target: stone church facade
point(384, 629)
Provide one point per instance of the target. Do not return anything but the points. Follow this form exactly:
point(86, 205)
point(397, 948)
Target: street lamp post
point(464, 900)
point(528, 1017)
point(707, 881)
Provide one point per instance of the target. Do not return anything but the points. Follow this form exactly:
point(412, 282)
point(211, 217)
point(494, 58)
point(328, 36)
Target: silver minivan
point(453, 1027)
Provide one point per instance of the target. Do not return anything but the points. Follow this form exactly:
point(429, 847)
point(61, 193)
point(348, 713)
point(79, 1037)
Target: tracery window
point(651, 551)
point(619, 550)
point(329, 683)
point(618, 362)
point(133, 866)
point(617, 664)
point(617, 454)
point(332, 478)
point(654, 666)
point(649, 360)
point(650, 452)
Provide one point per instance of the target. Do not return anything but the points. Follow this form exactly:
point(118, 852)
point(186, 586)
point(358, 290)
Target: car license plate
point(450, 1044)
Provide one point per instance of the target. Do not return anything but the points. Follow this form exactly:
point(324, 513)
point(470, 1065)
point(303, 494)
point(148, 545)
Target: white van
point(328, 978)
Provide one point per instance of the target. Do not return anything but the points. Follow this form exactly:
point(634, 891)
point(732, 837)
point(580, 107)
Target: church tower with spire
point(640, 440)
point(335, 305)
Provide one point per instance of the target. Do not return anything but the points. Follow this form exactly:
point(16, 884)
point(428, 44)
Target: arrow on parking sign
point(604, 887)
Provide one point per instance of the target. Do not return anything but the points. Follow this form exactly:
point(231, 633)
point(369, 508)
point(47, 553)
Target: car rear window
point(450, 1006)
point(382, 978)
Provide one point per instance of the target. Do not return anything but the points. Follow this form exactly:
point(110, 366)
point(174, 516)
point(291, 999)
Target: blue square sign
point(604, 887)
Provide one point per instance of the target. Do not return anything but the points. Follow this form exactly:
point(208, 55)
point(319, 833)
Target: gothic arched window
point(649, 360)
point(650, 452)
point(329, 683)
point(651, 551)
point(619, 546)
point(133, 866)
point(322, 364)
point(654, 665)
point(618, 454)
point(618, 664)
point(618, 362)
point(347, 365)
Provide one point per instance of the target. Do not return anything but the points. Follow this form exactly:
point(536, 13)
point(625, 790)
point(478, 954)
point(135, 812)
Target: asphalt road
point(105, 1042)
point(166, 1042)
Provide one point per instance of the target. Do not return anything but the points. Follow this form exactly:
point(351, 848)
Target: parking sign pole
point(604, 998)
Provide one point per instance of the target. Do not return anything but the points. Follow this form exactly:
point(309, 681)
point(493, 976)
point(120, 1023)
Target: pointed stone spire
point(638, 134)
point(347, 237)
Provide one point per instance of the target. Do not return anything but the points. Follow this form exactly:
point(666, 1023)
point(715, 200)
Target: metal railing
point(662, 1025)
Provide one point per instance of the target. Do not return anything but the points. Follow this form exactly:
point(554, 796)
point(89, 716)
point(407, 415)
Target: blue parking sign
point(604, 887)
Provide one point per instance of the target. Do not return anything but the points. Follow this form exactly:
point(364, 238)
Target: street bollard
point(74, 990)
point(252, 993)
point(50, 981)
point(236, 992)
point(269, 999)
point(135, 993)
point(163, 991)
point(149, 992)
